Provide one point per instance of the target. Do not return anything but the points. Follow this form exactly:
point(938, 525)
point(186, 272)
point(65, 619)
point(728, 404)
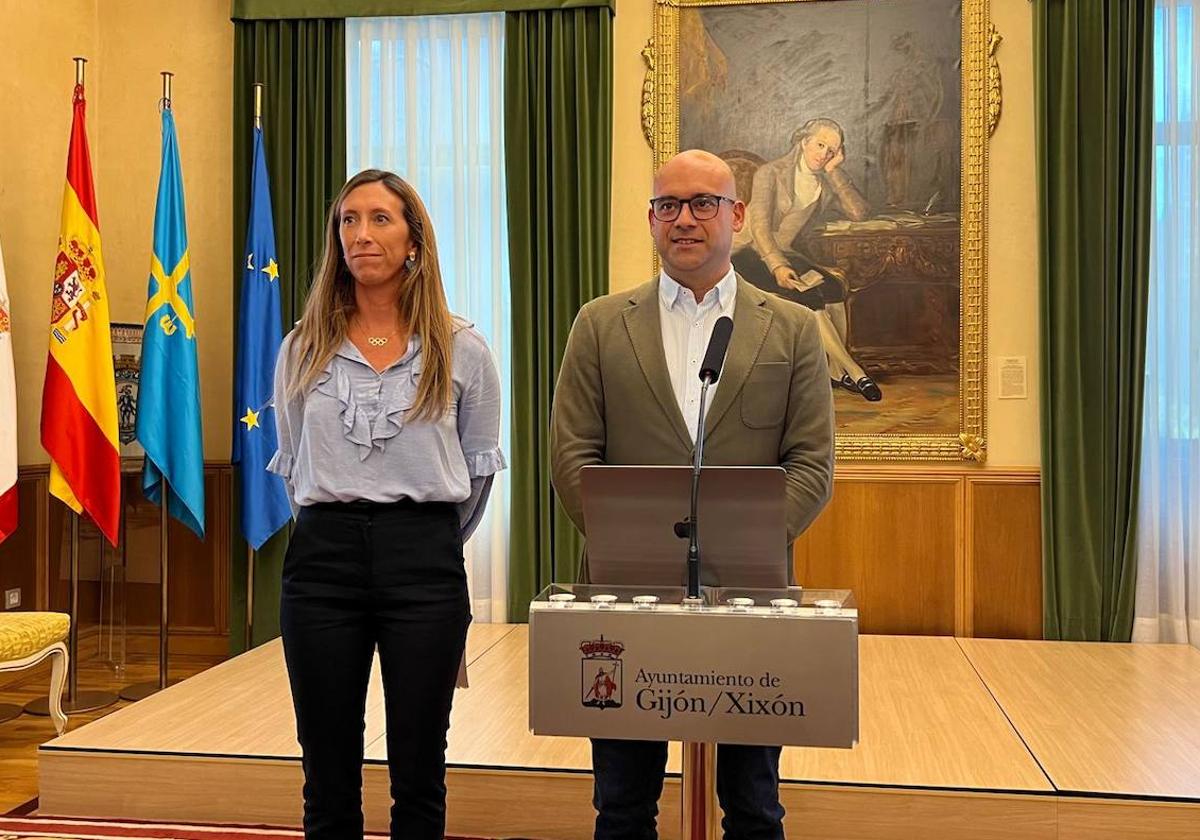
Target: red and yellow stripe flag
point(79, 398)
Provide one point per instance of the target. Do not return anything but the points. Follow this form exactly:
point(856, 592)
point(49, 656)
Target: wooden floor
point(959, 739)
point(19, 738)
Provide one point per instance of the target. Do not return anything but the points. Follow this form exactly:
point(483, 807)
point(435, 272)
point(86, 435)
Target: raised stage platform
point(959, 738)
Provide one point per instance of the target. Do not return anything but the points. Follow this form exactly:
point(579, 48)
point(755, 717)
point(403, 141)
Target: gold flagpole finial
point(167, 75)
point(258, 104)
point(80, 61)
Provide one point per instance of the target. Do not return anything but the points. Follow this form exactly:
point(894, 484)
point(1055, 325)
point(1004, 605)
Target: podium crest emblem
point(600, 673)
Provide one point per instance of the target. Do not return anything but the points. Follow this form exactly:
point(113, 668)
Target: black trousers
point(358, 576)
point(629, 781)
point(751, 266)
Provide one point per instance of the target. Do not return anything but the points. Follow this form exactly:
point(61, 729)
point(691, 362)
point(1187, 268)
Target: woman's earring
point(411, 262)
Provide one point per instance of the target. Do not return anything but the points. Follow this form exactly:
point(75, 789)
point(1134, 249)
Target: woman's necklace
point(377, 340)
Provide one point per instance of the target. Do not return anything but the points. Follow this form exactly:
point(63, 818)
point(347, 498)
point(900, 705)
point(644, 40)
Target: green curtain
point(295, 9)
point(1093, 64)
point(558, 148)
point(303, 65)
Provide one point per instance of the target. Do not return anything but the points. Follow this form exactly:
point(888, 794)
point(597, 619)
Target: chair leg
point(58, 677)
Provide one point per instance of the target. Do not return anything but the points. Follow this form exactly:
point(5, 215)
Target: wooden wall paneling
point(220, 540)
point(933, 550)
point(37, 556)
point(58, 565)
point(19, 553)
point(895, 538)
point(42, 516)
point(197, 569)
point(1004, 544)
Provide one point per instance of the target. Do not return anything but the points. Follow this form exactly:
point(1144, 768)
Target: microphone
point(718, 344)
point(710, 371)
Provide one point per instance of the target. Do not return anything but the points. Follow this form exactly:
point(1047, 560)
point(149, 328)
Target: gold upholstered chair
point(26, 639)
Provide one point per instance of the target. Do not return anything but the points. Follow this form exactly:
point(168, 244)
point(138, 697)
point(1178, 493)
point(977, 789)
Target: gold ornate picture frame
point(897, 246)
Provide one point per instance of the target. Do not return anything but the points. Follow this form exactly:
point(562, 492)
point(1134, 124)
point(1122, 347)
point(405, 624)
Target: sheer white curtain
point(1168, 592)
point(425, 99)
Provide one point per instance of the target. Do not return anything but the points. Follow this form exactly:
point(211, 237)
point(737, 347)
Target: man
point(627, 394)
point(788, 194)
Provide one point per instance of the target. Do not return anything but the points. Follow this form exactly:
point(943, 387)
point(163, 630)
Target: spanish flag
point(79, 398)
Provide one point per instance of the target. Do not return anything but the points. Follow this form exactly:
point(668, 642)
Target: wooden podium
point(742, 666)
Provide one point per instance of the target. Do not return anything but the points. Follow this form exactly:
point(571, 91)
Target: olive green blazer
point(614, 403)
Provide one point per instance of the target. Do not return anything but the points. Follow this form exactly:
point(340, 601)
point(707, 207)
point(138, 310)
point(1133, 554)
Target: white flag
point(8, 415)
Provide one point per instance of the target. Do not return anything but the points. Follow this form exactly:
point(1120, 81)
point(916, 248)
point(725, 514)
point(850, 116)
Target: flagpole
point(165, 608)
point(143, 690)
point(249, 596)
point(258, 109)
point(75, 701)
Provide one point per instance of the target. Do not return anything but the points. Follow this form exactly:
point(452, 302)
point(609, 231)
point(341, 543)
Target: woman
point(388, 419)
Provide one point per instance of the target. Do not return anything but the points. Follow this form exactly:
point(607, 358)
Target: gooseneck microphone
point(710, 371)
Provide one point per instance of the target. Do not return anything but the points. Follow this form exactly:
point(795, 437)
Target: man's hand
point(786, 278)
point(837, 160)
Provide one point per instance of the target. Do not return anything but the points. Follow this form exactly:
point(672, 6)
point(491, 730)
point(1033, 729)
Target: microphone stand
point(710, 370)
point(699, 760)
point(693, 555)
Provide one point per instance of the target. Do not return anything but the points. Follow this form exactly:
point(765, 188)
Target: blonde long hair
point(421, 302)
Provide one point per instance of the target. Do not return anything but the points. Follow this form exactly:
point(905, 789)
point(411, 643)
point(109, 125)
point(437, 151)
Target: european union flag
point(168, 409)
point(265, 505)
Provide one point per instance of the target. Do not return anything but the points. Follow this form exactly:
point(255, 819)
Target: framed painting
point(857, 134)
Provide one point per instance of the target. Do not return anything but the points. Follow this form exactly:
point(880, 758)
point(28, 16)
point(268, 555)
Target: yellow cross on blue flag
point(265, 505)
point(168, 408)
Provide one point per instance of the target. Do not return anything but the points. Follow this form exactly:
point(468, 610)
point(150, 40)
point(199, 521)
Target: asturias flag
point(79, 397)
point(265, 505)
point(168, 410)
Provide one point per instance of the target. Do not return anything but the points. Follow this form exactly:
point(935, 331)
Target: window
point(425, 99)
point(1168, 585)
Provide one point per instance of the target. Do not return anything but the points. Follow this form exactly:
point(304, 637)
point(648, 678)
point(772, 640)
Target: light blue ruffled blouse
point(350, 437)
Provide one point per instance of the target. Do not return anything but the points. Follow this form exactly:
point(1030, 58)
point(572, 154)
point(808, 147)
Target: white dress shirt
point(686, 328)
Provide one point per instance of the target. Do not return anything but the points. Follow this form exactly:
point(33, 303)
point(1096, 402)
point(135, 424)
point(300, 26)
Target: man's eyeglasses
point(704, 206)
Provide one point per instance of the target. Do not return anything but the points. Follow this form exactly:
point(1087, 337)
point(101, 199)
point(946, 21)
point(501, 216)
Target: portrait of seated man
point(788, 193)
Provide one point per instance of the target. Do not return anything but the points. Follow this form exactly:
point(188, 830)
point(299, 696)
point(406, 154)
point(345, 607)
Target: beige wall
point(133, 39)
point(1014, 430)
point(1012, 229)
point(128, 42)
point(37, 41)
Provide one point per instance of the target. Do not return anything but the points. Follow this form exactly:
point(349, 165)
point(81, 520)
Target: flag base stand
point(83, 701)
point(140, 691)
point(75, 701)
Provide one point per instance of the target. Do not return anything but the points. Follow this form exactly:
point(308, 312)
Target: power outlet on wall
point(12, 598)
